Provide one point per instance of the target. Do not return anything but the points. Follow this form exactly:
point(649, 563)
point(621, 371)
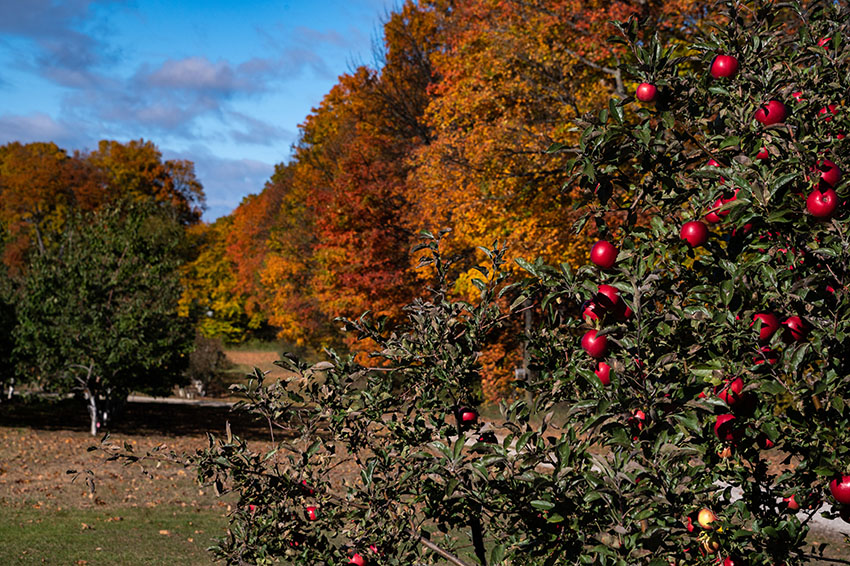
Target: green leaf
point(543, 505)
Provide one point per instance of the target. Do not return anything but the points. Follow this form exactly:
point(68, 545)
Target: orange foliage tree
point(41, 183)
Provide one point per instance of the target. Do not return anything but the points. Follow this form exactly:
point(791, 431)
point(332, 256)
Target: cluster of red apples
point(822, 201)
point(741, 403)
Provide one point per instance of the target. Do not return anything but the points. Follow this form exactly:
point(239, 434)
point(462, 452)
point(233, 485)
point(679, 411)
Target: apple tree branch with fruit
point(687, 388)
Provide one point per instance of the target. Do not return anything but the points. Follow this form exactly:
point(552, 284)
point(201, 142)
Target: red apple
point(771, 112)
point(798, 96)
point(829, 172)
point(312, 512)
point(716, 216)
point(486, 437)
point(608, 297)
point(713, 163)
point(695, 233)
point(724, 67)
point(646, 92)
point(603, 372)
point(763, 154)
point(769, 325)
point(595, 346)
point(827, 110)
point(591, 311)
point(822, 204)
point(623, 312)
point(724, 427)
point(764, 442)
point(467, 416)
point(796, 329)
point(731, 392)
point(841, 489)
point(603, 254)
point(766, 354)
point(791, 502)
point(822, 42)
point(357, 559)
point(636, 420)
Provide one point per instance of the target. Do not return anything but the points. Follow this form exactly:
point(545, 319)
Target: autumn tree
point(136, 171)
point(211, 294)
point(39, 185)
point(97, 314)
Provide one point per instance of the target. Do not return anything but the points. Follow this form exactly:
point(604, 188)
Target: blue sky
point(222, 83)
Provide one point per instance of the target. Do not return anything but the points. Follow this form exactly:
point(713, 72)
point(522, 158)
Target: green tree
point(99, 315)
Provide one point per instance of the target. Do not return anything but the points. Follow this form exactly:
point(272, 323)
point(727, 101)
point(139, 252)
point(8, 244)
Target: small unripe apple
point(724, 67)
point(695, 233)
point(646, 92)
point(595, 346)
point(488, 437)
point(769, 325)
point(771, 112)
point(822, 203)
point(840, 489)
point(603, 372)
point(636, 421)
point(603, 254)
point(706, 517)
point(710, 545)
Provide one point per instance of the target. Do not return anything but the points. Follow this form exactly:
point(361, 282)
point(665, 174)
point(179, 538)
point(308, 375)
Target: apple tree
point(688, 385)
point(98, 313)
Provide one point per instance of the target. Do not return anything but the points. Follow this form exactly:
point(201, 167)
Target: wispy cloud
point(226, 181)
point(36, 127)
point(66, 53)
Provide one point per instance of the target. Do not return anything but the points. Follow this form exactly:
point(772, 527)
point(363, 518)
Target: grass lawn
point(130, 518)
point(163, 535)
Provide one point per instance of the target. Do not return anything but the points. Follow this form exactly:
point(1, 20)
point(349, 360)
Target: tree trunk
point(93, 414)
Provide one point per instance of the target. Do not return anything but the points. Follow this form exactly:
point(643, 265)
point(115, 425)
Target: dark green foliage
point(99, 313)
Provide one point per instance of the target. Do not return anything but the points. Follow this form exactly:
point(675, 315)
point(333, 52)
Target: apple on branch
point(646, 92)
point(724, 67)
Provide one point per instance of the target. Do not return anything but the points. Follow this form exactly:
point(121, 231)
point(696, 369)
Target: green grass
point(119, 536)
